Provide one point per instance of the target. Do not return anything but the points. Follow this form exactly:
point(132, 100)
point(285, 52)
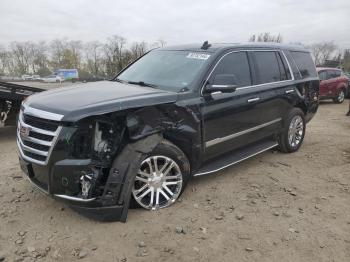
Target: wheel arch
point(176, 124)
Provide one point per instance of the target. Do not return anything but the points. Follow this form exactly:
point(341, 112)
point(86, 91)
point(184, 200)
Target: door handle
point(290, 91)
point(251, 100)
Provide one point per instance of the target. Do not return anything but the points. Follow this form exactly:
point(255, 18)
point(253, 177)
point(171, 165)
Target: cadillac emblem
point(24, 131)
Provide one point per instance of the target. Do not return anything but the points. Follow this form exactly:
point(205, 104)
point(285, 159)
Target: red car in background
point(333, 84)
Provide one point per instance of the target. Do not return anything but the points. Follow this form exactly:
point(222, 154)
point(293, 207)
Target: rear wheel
point(161, 178)
point(340, 97)
point(293, 132)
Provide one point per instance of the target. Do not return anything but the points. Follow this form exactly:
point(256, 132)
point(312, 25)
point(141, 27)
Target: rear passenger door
point(323, 82)
point(232, 120)
point(273, 81)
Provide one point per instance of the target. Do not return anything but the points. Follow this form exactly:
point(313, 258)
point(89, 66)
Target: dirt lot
point(273, 207)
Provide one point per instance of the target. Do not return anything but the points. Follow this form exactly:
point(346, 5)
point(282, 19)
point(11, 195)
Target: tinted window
point(284, 70)
point(322, 75)
point(268, 68)
point(336, 73)
point(234, 64)
point(305, 64)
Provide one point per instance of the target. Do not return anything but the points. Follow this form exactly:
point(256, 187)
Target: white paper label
point(198, 56)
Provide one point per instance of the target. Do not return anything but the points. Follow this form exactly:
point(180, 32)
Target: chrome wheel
point(158, 182)
point(341, 96)
point(295, 131)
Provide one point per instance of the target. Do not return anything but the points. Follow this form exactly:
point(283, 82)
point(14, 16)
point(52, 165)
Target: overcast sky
point(175, 21)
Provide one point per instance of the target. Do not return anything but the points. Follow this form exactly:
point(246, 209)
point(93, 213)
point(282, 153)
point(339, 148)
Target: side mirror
point(225, 83)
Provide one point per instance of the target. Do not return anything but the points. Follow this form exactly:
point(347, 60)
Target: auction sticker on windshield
point(198, 56)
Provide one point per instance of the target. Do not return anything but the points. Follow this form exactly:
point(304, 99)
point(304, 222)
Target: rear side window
point(268, 66)
point(336, 73)
point(235, 64)
point(304, 63)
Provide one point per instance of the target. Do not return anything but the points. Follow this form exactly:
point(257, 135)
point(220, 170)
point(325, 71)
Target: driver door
point(226, 116)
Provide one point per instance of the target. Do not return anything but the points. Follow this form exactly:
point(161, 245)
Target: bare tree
point(114, 55)
point(266, 37)
point(6, 65)
point(322, 51)
point(91, 59)
point(93, 56)
point(137, 50)
point(75, 48)
point(21, 56)
point(57, 48)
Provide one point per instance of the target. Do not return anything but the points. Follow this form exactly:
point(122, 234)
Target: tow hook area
point(85, 183)
point(3, 117)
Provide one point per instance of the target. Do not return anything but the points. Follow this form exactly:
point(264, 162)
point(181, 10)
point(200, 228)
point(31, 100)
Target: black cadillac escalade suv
point(175, 113)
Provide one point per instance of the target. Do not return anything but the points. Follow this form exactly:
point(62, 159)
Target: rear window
point(305, 64)
point(268, 64)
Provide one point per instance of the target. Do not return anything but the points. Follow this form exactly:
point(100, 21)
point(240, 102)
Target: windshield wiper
point(141, 83)
point(119, 80)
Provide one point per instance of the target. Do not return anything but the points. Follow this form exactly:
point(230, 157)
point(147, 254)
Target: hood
point(79, 101)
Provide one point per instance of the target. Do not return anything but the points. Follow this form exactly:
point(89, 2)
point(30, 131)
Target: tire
point(340, 97)
point(170, 158)
point(293, 132)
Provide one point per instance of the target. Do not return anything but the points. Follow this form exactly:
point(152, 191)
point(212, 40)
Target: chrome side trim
point(229, 137)
point(78, 199)
point(41, 114)
point(235, 162)
point(252, 86)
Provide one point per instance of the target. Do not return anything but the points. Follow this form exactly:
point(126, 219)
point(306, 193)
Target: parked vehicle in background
point(68, 74)
point(27, 77)
point(333, 84)
point(36, 77)
point(175, 113)
point(52, 79)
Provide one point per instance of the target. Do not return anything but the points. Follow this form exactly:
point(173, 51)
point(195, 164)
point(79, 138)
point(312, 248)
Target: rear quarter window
point(269, 66)
point(304, 63)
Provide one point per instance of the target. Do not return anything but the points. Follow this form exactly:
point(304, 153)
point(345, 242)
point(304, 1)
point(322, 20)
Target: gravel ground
point(273, 207)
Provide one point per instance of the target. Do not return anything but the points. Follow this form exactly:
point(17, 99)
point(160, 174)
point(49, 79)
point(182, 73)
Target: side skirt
point(235, 157)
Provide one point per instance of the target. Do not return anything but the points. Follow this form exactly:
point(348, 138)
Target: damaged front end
point(87, 164)
point(92, 163)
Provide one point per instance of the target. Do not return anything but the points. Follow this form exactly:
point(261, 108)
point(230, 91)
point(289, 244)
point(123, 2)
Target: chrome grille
point(36, 137)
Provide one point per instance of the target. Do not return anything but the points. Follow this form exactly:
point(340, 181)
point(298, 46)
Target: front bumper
point(92, 208)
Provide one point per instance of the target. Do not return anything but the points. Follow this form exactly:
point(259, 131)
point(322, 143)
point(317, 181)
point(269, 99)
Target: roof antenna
point(205, 45)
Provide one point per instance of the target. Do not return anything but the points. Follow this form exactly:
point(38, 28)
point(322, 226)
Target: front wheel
point(340, 97)
point(161, 178)
point(292, 135)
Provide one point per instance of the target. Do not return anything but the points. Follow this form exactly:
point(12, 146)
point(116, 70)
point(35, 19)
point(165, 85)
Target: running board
point(235, 157)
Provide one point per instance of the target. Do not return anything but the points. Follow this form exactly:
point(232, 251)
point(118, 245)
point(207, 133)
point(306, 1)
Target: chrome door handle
point(290, 91)
point(251, 100)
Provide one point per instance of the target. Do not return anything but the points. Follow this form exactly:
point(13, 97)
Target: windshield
point(167, 70)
